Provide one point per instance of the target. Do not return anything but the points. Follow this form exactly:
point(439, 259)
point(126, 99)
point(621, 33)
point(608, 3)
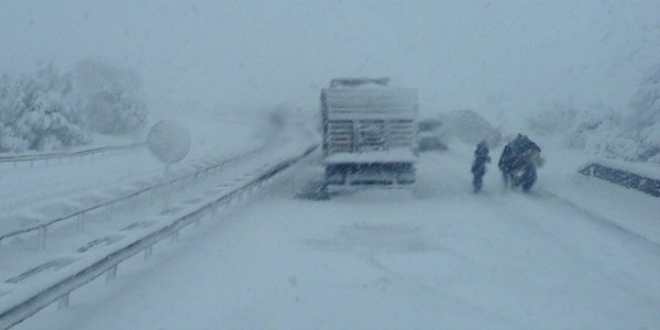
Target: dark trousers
point(478, 171)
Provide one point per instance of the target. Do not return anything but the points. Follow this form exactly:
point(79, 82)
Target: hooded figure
point(524, 168)
point(479, 165)
point(519, 161)
point(507, 159)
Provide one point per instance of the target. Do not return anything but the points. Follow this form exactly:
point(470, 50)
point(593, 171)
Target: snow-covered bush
point(645, 105)
point(111, 98)
point(9, 141)
point(599, 130)
point(650, 137)
point(9, 95)
point(39, 112)
point(596, 121)
point(49, 110)
point(645, 116)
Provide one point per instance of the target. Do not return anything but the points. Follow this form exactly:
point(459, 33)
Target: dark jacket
point(481, 157)
point(507, 158)
point(524, 150)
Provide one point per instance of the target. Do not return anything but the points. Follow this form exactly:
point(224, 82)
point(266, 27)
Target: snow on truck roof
point(359, 82)
point(374, 100)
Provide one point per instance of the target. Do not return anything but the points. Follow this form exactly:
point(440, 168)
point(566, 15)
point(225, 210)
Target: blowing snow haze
point(492, 56)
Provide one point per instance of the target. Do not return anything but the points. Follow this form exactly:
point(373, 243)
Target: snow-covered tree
point(600, 130)
point(49, 110)
point(39, 112)
point(111, 98)
point(587, 123)
point(645, 115)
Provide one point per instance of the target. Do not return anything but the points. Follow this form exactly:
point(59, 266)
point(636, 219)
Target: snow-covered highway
point(435, 257)
point(241, 232)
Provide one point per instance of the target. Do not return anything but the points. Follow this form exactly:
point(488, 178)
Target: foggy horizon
point(499, 58)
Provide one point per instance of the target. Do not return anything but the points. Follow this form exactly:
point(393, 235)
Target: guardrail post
point(63, 302)
point(112, 273)
point(42, 237)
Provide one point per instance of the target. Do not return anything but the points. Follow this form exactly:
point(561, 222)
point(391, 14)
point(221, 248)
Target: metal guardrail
point(623, 178)
point(43, 227)
point(67, 154)
point(59, 290)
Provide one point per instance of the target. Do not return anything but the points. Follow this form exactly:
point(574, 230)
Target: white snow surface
point(576, 253)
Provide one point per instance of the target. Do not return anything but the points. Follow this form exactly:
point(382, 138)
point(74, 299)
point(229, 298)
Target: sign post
point(169, 143)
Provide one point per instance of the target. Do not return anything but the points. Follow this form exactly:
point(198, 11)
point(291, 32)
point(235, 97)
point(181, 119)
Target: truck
point(369, 133)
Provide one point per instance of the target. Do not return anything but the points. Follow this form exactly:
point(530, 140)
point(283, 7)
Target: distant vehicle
point(369, 132)
point(431, 136)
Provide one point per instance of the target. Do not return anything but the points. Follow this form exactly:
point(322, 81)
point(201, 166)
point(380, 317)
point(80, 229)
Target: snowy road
point(33, 196)
point(437, 257)
point(43, 192)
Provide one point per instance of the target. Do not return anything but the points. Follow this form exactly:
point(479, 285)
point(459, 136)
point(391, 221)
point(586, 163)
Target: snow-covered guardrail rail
point(42, 228)
point(59, 156)
point(27, 300)
point(642, 177)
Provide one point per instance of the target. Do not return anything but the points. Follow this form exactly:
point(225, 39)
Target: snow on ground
point(626, 208)
point(25, 187)
point(439, 256)
point(33, 195)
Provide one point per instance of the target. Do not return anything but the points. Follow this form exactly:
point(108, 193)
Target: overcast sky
point(485, 55)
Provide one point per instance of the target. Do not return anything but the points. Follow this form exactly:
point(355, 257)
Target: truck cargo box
point(369, 131)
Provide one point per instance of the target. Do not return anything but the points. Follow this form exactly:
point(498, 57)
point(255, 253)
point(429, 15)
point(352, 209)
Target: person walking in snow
point(507, 159)
point(481, 157)
point(519, 161)
point(523, 167)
